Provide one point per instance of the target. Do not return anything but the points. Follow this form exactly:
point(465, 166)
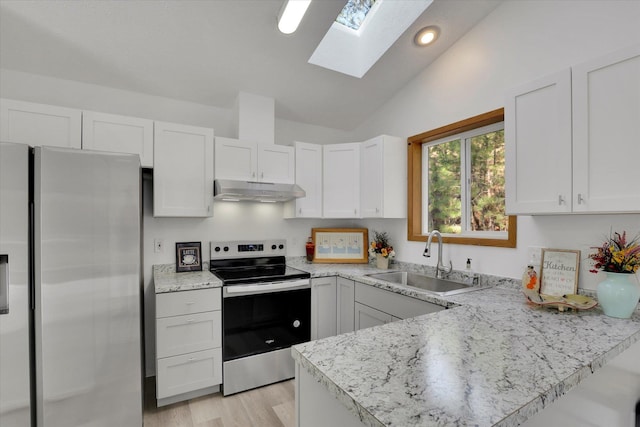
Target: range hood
point(230, 190)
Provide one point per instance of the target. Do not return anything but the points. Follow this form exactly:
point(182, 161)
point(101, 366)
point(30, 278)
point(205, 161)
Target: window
point(456, 183)
point(354, 12)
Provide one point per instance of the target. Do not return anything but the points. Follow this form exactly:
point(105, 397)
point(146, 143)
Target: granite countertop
point(490, 360)
point(166, 279)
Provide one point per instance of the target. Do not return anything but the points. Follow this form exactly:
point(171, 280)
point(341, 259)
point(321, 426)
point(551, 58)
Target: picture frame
point(188, 256)
point(559, 269)
point(341, 245)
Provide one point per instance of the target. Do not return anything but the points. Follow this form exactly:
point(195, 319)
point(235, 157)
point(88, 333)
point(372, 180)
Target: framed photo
point(341, 245)
point(559, 272)
point(188, 257)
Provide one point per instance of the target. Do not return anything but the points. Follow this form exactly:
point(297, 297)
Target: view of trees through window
point(465, 188)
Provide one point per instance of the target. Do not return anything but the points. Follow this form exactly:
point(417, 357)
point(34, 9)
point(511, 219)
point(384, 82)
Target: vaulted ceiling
point(208, 51)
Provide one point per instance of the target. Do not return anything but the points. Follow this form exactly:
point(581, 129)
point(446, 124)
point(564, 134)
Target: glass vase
point(618, 294)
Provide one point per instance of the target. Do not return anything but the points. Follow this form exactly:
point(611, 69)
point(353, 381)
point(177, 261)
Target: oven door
point(259, 318)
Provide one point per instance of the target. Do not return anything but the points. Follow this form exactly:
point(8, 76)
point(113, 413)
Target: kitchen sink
point(434, 285)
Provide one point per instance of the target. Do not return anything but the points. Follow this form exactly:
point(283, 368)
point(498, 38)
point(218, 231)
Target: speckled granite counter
point(166, 279)
point(491, 360)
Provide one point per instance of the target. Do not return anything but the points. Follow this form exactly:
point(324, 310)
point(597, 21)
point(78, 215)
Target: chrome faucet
point(427, 253)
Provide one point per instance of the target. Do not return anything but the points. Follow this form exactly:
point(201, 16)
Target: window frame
point(414, 182)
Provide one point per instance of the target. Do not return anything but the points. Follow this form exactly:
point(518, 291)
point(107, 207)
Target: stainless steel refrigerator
point(70, 330)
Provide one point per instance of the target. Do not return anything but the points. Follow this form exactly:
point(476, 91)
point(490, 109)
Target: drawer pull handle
point(190, 320)
point(191, 359)
point(190, 302)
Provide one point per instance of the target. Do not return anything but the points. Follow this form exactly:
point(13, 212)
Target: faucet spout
point(427, 253)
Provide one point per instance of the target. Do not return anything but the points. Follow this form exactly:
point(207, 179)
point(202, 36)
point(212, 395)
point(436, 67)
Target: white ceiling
point(207, 51)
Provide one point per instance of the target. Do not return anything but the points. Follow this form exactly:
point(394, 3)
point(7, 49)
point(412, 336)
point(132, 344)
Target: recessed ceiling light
point(427, 35)
point(291, 15)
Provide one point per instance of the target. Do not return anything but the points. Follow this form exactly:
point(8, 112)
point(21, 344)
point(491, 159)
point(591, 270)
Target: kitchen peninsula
point(489, 360)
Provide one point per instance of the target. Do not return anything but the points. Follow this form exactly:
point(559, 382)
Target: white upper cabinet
point(571, 139)
point(276, 163)
point(39, 124)
point(248, 161)
point(537, 126)
point(118, 134)
point(606, 133)
point(309, 178)
point(383, 184)
point(237, 160)
point(341, 180)
point(183, 171)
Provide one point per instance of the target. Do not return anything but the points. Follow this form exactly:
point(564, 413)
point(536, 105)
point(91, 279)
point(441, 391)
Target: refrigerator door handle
point(4, 284)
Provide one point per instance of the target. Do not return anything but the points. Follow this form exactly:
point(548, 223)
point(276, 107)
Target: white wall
point(518, 42)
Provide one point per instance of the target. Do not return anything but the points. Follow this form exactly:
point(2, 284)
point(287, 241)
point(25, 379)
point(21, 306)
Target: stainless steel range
point(266, 308)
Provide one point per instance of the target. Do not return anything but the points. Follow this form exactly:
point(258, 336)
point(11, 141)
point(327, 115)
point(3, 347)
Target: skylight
point(353, 52)
point(354, 12)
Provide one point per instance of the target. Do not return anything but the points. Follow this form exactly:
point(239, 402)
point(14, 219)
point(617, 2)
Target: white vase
point(382, 262)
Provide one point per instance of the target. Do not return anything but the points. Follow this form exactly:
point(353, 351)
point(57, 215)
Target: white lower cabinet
point(323, 307)
point(186, 373)
point(367, 317)
point(345, 290)
point(375, 306)
point(188, 344)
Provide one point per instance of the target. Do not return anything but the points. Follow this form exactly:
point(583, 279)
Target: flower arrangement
point(617, 255)
point(380, 245)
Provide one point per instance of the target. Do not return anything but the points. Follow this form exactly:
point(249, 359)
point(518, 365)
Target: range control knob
point(281, 247)
point(296, 323)
point(217, 249)
point(226, 249)
point(273, 247)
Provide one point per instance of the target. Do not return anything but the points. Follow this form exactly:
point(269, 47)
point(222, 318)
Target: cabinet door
point(341, 181)
point(235, 159)
point(182, 171)
point(308, 160)
point(372, 182)
point(118, 134)
point(276, 163)
point(39, 124)
point(383, 177)
point(323, 307)
point(367, 317)
point(345, 305)
point(606, 131)
point(538, 146)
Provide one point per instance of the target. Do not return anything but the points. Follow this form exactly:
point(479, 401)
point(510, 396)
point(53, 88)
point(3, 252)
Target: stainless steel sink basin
point(426, 283)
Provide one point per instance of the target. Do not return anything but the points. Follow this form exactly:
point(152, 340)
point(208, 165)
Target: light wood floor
point(269, 406)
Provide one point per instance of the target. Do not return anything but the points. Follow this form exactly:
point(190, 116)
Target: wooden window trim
point(414, 177)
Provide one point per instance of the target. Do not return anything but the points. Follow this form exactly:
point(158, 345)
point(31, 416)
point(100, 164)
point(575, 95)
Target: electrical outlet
point(534, 253)
point(158, 245)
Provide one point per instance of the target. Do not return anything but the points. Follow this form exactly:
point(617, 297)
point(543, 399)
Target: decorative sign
point(341, 245)
point(559, 272)
point(188, 257)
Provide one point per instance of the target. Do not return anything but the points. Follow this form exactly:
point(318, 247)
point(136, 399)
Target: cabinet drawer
point(186, 334)
point(188, 372)
point(187, 302)
point(397, 305)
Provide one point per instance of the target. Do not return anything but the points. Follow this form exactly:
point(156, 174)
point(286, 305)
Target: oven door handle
point(287, 285)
